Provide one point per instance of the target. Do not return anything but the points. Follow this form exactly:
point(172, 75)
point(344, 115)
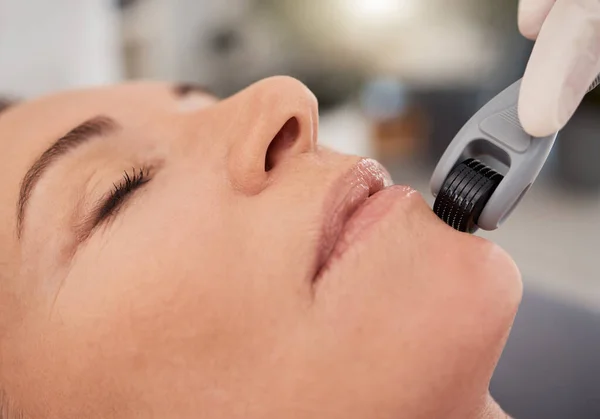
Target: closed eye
point(109, 206)
point(121, 191)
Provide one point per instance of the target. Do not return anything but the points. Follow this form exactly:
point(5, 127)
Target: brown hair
point(6, 103)
point(7, 409)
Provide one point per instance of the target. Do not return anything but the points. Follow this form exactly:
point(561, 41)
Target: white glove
point(564, 62)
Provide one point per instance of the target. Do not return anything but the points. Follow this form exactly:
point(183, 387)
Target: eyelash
point(120, 192)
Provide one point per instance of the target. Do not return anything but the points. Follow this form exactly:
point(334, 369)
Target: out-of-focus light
point(380, 9)
point(383, 98)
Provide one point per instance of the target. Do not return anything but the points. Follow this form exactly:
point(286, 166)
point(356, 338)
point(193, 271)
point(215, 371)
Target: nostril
point(282, 142)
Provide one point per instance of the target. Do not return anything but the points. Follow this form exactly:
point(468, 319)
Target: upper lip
point(347, 194)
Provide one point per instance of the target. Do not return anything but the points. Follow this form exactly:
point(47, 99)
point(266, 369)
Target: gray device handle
point(495, 136)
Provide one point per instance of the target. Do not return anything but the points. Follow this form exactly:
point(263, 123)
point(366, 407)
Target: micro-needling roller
point(489, 166)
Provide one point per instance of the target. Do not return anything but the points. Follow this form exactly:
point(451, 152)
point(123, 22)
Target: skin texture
point(198, 300)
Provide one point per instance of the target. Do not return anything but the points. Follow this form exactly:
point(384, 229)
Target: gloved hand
point(564, 62)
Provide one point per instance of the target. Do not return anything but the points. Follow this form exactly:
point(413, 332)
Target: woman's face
point(165, 254)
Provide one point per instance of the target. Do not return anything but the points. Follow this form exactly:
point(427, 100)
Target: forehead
point(28, 128)
point(59, 112)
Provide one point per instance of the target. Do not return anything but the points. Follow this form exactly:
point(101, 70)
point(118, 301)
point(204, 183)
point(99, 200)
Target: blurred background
point(396, 79)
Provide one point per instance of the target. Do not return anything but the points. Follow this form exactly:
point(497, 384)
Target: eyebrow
point(93, 128)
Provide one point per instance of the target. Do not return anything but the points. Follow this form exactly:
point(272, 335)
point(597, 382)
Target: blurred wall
point(50, 45)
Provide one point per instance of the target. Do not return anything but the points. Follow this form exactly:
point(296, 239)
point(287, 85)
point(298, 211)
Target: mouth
point(349, 194)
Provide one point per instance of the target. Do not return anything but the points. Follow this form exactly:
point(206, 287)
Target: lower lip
point(366, 216)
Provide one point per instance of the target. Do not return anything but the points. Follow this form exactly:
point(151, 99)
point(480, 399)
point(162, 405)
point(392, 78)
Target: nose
point(273, 121)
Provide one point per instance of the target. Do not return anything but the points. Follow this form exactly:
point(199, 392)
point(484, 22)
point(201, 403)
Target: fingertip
point(537, 128)
point(537, 120)
point(532, 14)
point(529, 34)
point(527, 29)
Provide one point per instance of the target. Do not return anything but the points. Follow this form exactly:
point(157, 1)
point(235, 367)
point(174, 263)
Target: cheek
point(182, 274)
point(170, 293)
point(171, 285)
point(418, 292)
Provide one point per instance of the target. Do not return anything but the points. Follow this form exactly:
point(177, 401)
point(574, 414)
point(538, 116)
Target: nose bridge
point(258, 114)
point(241, 129)
point(268, 104)
point(209, 128)
point(258, 109)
